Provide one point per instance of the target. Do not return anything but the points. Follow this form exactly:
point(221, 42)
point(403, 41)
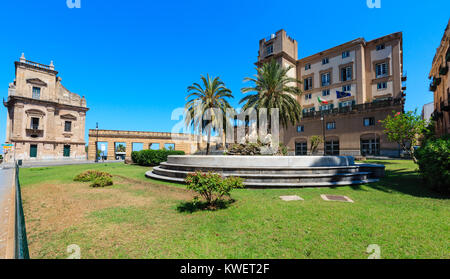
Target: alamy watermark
point(73, 4)
point(374, 250)
point(220, 127)
point(74, 252)
point(371, 4)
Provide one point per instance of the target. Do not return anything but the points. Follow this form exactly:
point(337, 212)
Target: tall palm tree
point(273, 89)
point(212, 94)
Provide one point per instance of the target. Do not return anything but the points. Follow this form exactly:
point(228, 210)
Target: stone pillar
point(129, 149)
point(19, 119)
point(111, 152)
point(50, 125)
point(91, 149)
point(81, 125)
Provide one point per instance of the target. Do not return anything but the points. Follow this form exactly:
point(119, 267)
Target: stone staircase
point(279, 176)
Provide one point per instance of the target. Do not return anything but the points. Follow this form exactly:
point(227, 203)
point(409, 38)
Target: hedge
point(152, 157)
point(434, 164)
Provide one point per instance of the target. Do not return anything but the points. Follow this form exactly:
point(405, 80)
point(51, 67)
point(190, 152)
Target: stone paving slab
point(336, 198)
point(291, 198)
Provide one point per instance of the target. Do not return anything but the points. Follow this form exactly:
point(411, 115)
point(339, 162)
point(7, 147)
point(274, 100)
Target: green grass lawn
point(140, 218)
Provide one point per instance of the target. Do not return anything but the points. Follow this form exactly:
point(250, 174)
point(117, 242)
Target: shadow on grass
point(407, 182)
point(194, 206)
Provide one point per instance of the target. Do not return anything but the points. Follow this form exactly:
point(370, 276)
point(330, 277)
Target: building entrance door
point(66, 152)
point(33, 150)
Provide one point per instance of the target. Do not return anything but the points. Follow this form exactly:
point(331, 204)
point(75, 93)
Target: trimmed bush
point(434, 164)
point(90, 175)
point(212, 186)
point(102, 181)
point(152, 157)
point(99, 178)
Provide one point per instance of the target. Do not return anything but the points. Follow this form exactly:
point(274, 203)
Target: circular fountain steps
point(272, 171)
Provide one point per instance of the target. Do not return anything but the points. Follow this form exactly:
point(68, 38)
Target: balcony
point(355, 108)
point(34, 131)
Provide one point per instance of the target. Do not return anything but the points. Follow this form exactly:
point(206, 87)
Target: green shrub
point(152, 157)
point(434, 164)
point(98, 178)
point(212, 186)
point(102, 181)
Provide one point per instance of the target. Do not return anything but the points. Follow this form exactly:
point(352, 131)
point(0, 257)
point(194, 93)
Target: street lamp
point(323, 131)
point(96, 144)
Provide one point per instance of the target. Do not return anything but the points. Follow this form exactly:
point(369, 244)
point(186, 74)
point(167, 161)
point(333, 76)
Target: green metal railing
point(21, 243)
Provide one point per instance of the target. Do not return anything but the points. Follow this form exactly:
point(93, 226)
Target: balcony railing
point(38, 65)
point(355, 108)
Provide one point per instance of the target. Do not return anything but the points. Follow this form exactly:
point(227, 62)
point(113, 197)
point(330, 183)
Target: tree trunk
point(208, 140)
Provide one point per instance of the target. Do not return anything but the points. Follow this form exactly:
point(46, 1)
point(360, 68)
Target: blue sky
point(133, 60)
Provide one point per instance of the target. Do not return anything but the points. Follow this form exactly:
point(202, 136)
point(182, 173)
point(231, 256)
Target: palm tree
point(203, 98)
point(273, 89)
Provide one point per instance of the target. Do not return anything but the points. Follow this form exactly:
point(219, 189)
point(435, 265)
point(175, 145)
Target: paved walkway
point(40, 164)
point(7, 211)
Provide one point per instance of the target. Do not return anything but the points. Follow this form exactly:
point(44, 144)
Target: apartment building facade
point(440, 84)
point(45, 121)
point(347, 89)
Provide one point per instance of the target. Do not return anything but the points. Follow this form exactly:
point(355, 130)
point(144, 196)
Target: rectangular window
point(269, 50)
point(307, 67)
point(67, 126)
point(326, 107)
point(380, 47)
point(346, 88)
point(308, 110)
point(346, 73)
point(325, 61)
point(346, 104)
point(381, 69)
point(325, 79)
point(345, 54)
point(331, 125)
point(326, 93)
point(369, 121)
point(381, 85)
point(300, 129)
point(307, 83)
point(36, 93)
point(308, 97)
point(34, 123)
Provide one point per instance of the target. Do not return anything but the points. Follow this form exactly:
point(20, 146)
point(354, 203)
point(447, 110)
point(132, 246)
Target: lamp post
point(323, 131)
point(96, 144)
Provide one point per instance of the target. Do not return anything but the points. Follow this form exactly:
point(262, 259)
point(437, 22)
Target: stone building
point(359, 82)
point(440, 84)
point(45, 121)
